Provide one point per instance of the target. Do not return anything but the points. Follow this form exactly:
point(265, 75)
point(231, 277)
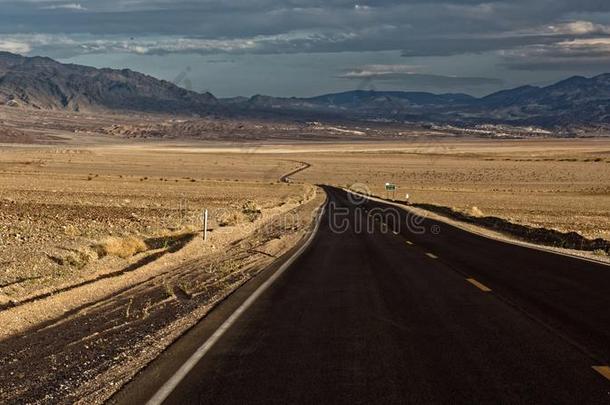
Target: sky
point(309, 47)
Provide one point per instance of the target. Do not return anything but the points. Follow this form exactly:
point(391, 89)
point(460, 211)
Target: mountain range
point(42, 83)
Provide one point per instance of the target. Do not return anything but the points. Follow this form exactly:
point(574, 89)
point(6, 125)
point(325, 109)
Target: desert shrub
point(185, 290)
point(251, 210)
point(120, 247)
point(71, 230)
point(76, 258)
point(167, 288)
point(229, 218)
point(475, 212)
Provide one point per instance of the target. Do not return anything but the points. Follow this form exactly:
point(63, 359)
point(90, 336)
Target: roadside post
point(205, 225)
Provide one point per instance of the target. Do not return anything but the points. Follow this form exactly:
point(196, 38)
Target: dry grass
point(229, 218)
point(76, 258)
point(251, 210)
point(475, 212)
point(120, 247)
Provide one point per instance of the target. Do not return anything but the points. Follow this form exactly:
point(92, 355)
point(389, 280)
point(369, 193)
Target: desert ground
point(555, 184)
point(111, 237)
point(101, 231)
point(61, 205)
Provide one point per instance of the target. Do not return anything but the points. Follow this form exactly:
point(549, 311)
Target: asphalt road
point(398, 314)
point(286, 178)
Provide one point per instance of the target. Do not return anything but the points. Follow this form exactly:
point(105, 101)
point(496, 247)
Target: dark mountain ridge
point(39, 82)
point(43, 83)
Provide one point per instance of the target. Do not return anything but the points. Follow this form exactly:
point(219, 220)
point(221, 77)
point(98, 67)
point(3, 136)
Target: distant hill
point(46, 84)
point(359, 97)
point(358, 102)
point(576, 101)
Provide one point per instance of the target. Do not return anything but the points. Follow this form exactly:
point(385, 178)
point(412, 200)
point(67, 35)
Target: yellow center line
point(409, 243)
point(603, 370)
point(480, 286)
point(431, 255)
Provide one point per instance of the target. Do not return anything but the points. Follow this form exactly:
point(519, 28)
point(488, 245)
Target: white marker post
point(205, 225)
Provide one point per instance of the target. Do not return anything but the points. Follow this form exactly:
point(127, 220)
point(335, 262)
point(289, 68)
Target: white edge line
point(170, 385)
point(456, 224)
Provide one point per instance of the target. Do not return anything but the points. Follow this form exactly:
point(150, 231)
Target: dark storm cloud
point(524, 32)
point(245, 18)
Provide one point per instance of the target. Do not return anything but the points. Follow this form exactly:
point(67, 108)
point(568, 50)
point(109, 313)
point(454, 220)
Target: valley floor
point(103, 263)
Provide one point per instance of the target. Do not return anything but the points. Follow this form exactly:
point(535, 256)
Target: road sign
point(390, 188)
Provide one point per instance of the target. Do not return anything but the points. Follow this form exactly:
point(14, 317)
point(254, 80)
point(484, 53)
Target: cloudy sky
point(309, 47)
